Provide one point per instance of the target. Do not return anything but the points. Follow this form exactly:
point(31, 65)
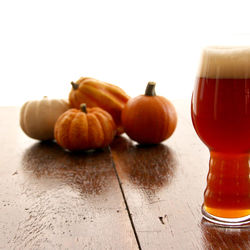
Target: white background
point(44, 45)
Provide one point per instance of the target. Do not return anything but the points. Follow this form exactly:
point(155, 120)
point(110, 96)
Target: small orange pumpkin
point(87, 128)
point(149, 119)
point(96, 93)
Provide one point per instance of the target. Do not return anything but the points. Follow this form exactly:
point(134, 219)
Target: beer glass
point(220, 111)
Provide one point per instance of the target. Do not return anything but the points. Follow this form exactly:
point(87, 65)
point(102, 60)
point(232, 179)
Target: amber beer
point(221, 117)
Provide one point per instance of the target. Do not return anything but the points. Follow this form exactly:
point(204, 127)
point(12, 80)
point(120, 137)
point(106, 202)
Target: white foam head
point(225, 62)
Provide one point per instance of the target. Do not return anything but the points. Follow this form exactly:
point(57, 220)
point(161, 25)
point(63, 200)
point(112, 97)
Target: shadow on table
point(88, 172)
point(149, 167)
point(216, 237)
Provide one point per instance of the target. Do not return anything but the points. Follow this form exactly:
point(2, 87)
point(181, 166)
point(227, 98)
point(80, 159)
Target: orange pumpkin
point(96, 93)
point(149, 119)
point(87, 128)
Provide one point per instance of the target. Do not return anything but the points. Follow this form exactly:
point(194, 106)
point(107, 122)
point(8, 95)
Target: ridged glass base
point(227, 222)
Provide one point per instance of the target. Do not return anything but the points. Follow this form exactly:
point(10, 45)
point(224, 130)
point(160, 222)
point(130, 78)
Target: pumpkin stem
point(150, 90)
point(83, 107)
point(74, 85)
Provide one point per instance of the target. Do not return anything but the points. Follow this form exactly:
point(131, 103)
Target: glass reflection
point(215, 237)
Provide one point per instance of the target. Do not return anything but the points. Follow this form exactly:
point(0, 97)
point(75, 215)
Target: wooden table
point(122, 197)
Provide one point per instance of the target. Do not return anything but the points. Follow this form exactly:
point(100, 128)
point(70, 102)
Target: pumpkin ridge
point(65, 135)
point(100, 110)
point(172, 115)
point(113, 90)
point(45, 105)
point(101, 122)
point(58, 131)
point(68, 142)
point(149, 103)
point(83, 79)
point(104, 96)
point(96, 132)
point(77, 100)
point(106, 115)
point(89, 99)
point(87, 125)
point(107, 118)
point(61, 116)
point(165, 123)
point(72, 99)
point(117, 98)
point(36, 116)
point(68, 132)
point(72, 128)
point(117, 92)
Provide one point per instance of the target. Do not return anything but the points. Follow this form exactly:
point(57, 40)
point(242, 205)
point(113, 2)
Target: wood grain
point(53, 199)
point(107, 199)
point(163, 186)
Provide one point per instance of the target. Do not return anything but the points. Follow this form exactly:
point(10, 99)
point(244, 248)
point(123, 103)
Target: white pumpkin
point(37, 118)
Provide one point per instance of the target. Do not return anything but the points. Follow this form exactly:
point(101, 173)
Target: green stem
point(74, 85)
point(150, 90)
point(83, 107)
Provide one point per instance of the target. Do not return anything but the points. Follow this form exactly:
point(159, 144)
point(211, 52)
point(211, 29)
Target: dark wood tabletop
point(122, 197)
